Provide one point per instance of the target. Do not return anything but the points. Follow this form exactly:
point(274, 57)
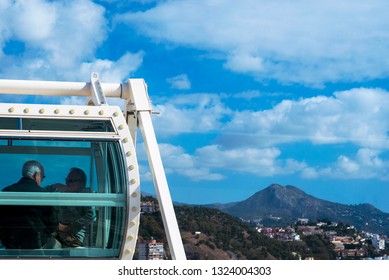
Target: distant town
point(346, 241)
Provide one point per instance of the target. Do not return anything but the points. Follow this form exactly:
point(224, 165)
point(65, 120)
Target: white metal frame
point(137, 115)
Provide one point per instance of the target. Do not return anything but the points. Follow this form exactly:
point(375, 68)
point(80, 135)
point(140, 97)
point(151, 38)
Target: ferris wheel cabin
point(98, 138)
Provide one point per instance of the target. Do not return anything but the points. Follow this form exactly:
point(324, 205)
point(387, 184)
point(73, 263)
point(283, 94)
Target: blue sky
point(249, 92)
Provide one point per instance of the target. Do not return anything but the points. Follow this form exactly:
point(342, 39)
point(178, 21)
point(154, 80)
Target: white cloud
point(244, 62)
point(5, 31)
point(60, 40)
point(261, 162)
point(177, 161)
point(305, 41)
point(309, 173)
point(74, 100)
point(195, 113)
point(249, 141)
point(33, 20)
point(180, 82)
point(366, 164)
point(248, 95)
point(358, 116)
point(267, 162)
point(209, 163)
point(112, 71)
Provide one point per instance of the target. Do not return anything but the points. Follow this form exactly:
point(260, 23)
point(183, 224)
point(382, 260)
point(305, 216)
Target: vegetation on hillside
point(208, 233)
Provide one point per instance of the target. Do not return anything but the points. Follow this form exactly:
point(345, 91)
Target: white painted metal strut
point(135, 92)
point(98, 97)
point(161, 186)
point(142, 106)
point(58, 88)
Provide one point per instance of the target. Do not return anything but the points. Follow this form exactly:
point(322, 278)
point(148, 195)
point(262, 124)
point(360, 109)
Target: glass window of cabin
point(101, 159)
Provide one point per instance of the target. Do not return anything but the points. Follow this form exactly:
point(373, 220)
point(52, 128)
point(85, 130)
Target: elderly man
point(28, 227)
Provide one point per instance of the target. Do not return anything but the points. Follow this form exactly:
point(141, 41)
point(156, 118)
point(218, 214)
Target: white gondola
point(99, 137)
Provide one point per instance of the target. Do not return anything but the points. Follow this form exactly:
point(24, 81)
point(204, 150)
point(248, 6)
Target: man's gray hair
point(31, 167)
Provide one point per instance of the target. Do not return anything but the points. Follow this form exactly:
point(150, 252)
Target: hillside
point(285, 204)
point(211, 234)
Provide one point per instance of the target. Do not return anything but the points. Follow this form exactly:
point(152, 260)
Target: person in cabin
point(28, 226)
point(73, 220)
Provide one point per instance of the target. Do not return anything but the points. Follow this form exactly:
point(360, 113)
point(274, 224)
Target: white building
point(151, 250)
point(377, 242)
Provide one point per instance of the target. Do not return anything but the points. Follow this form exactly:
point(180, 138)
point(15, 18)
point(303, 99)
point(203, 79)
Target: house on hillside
point(151, 250)
point(148, 207)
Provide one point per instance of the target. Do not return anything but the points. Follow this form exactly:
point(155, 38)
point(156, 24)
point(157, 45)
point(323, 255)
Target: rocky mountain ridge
point(285, 204)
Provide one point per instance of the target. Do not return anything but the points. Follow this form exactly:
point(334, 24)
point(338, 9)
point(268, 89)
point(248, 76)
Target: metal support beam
point(97, 94)
point(161, 187)
point(52, 88)
point(141, 103)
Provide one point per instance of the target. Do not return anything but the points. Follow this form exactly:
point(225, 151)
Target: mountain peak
point(283, 188)
point(285, 195)
point(275, 186)
point(290, 203)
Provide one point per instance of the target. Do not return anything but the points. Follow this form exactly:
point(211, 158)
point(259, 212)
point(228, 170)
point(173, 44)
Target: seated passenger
point(73, 220)
point(28, 227)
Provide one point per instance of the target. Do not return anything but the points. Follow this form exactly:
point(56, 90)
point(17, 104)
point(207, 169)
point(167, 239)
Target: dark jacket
point(77, 217)
point(26, 227)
